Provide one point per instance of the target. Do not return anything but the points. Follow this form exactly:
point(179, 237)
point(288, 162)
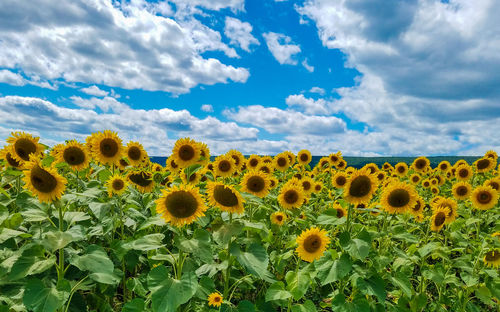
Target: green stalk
point(60, 269)
point(228, 269)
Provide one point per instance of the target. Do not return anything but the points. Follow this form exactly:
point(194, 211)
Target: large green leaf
point(329, 217)
point(6, 233)
point(277, 292)
point(55, 240)
point(98, 263)
point(254, 260)
point(147, 242)
point(332, 271)
point(227, 231)
point(29, 265)
point(39, 298)
point(136, 305)
point(199, 245)
point(308, 306)
point(297, 283)
point(172, 293)
point(402, 281)
point(4, 213)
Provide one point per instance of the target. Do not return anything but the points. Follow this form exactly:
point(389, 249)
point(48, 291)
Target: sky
point(366, 77)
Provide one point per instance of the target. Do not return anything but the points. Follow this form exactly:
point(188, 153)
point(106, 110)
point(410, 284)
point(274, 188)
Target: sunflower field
point(97, 226)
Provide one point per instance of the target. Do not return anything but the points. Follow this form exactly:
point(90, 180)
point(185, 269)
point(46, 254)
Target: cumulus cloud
point(308, 105)
point(282, 48)
point(128, 45)
point(318, 90)
point(240, 33)
point(207, 108)
point(94, 90)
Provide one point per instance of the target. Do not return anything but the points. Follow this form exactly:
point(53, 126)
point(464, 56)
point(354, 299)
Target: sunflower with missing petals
point(215, 299)
point(185, 152)
point(22, 145)
point(494, 183)
point(11, 161)
point(74, 154)
point(484, 197)
point(334, 158)
point(438, 218)
point(194, 178)
point(420, 164)
point(267, 168)
point(172, 166)
point(135, 153)
point(304, 157)
point(278, 218)
point(256, 183)
point(181, 205)
point(43, 182)
point(291, 196)
point(204, 153)
point(312, 244)
point(492, 258)
point(224, 166)
point(398, 198)
point(142, 180)
point(360, 187)
point(225, 197)
point(116, 185)
point(107, 147)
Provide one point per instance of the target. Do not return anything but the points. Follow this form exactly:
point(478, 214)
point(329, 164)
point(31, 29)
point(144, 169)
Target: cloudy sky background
point(367, 77)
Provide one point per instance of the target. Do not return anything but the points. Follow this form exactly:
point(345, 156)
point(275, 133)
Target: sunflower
point(420, 164)
point(401, 169)
point(278, 218)
point(180, 205)
point(381, 176)
point(444, 166)
point(256, 182)
point(494, 183)
point(318, 186)
point(360, 187)
point(172, 166)
point(135, 153)
point(253, 162)
point(434, 190)
point(122, 164)
point(341, 164)
point(281, 162)
point(11, 161)
point(116, 185)
point(307, 185)
point(341, 212)
point(438, 219)
point(323, 164)
point(447, 203)
point(387, 166)
point(23, 145)
point(194, 178)
point(215, 299)
point(225, 197)
point(312, 244)
point(339, 180)
point(463, 172)
point(491, 154)
point(492, 258)
point(304, 157)
point(157, 168)
point(417, 209)
point(186, 152)
point(291, 157)
point(266, 168)
point(44, 182)
point(107, 147)
point(415, 178)
point(204, 153)
point(74, 154)
point(426, 183)
point(291, 196)
point(484, 197)
point(142, 180)
point(496, 234)
point(239, 159)
point(484, 164)
point(398, 198)
point(224, 166)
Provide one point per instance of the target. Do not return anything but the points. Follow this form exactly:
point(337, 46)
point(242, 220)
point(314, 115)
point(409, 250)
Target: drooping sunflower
point(181, 205)
point(253, 162)
point(256, 182)
point(278, 218)
point(116, 185)
point(484, 197)
point(142, 180)
point(44, 182)
point(304, 157)
point(398, 198)
point(360, 187)
point(420, 164)
point(237, 156)
point(339, 180)
point(463, 172)
point(215, 299)
point(312, 244)
point(185, 152)
point(417, 209)
point(11, 161)
point(281, 162)
point(224, 166)
point(107, 147)
point(291, 196)
point(225, 197)
point(447, 203)
point(401, 169)
point(492, 258)
point(74, 154)
point(23, 145)
point(484, 164)
point(135, 153)
point(438, 219)
point(494, 183)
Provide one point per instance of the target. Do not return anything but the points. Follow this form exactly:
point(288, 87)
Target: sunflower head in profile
point(281, 162)
point(339, 179)
point(74, 154)
point(215, 300)
point(312, 244)
point(142, 180)
point(304, 157)
point(492, 258)
point(372, 167)
point(463, 172)
point(484, 197)
point(398, 198)
point(181, 205)
point(401, 169)
point(273, 182)
point(44, 182)
point(107, 147)
point(341, 164)
point(417, 209)
point(172, 166)
point(360, 187)
point(484, 164)
point(237, 156)
point(135, 153)
point(225, 197)
point(256, 183)
point(116, 184)
point(438, 219)
point(11, 161)
point(291, 196)
point(253, 162)
point(461, 190)
point(185, 152)
point(278, 218)
point(494, 183)
point(420, 164)
point(224, 166)
point(22, 145)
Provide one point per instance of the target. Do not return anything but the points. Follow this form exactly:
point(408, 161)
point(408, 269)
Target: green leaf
point(39, 298)
point(136, 305)
point(372, 286)
point(428, 248)
point(4, 213)
point(484, 294)
point(55, 240)
point(98, 263)
point(172, 293)
point(402, 282)
point(277, 292)
point(254, 260)
point(336, 270)
point(75, 216)
point(246, 306)
point(199, 245)
point(105, 278)
point(494, 287)
point(358, 248)
point(468, 279)
point(6, 233)
point(34, 215)
point(145, 243)
point(308, 306)
point(29, 265)
point(329, 217)
point(224, 234)
point(297, 283)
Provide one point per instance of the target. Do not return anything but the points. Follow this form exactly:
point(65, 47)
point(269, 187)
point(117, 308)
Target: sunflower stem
point(349, 217)
point(228, 269)
point(60, 269)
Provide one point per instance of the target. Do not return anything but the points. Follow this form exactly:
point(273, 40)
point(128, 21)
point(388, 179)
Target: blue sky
point(378, 77)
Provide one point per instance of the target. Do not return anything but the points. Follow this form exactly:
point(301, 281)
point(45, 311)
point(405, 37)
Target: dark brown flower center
point(141, 178)
point(265, 169)
point(304, 157)
point(312, 243)
point(117, 184)
point(483, 163)
point(225, 196)
point(340, 180)
point(439, 219)
point(24, 148)
point(281, 162)
point(279, 218)
point(123, 162)
point(74, 156)
point(306, 185)
point(334, 158)
point(134, 153)
point(291, 196)
point(443, 166)
point(253, 162)
point(399, 198)
point(463, 173)
point(224, 165)
point(415, 179)
point(340, 213)
point(494, 185)
point(186, 152)
point(341, 164)
point(12, 162)
point(42, 180)
point(236, 159)
point(462, 190)
point(417, 206)
point(181, 204)
point(493, 255)
point(401, 169)
point(360, 186)
point(419, 164)
point(317, 187)
point(256, 184)
point(484, 197)
point(108, 147)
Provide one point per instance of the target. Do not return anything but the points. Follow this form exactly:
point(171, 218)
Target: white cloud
point(308, 67)
point(94, 90)
point(281, 48)
point(207, 108)
point(6, 76)
point(318, 90)
point(308, 105)
point(240, 33)
point(127, 45)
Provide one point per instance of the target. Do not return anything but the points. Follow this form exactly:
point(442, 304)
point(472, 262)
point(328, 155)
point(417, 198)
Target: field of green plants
point(96, 226)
